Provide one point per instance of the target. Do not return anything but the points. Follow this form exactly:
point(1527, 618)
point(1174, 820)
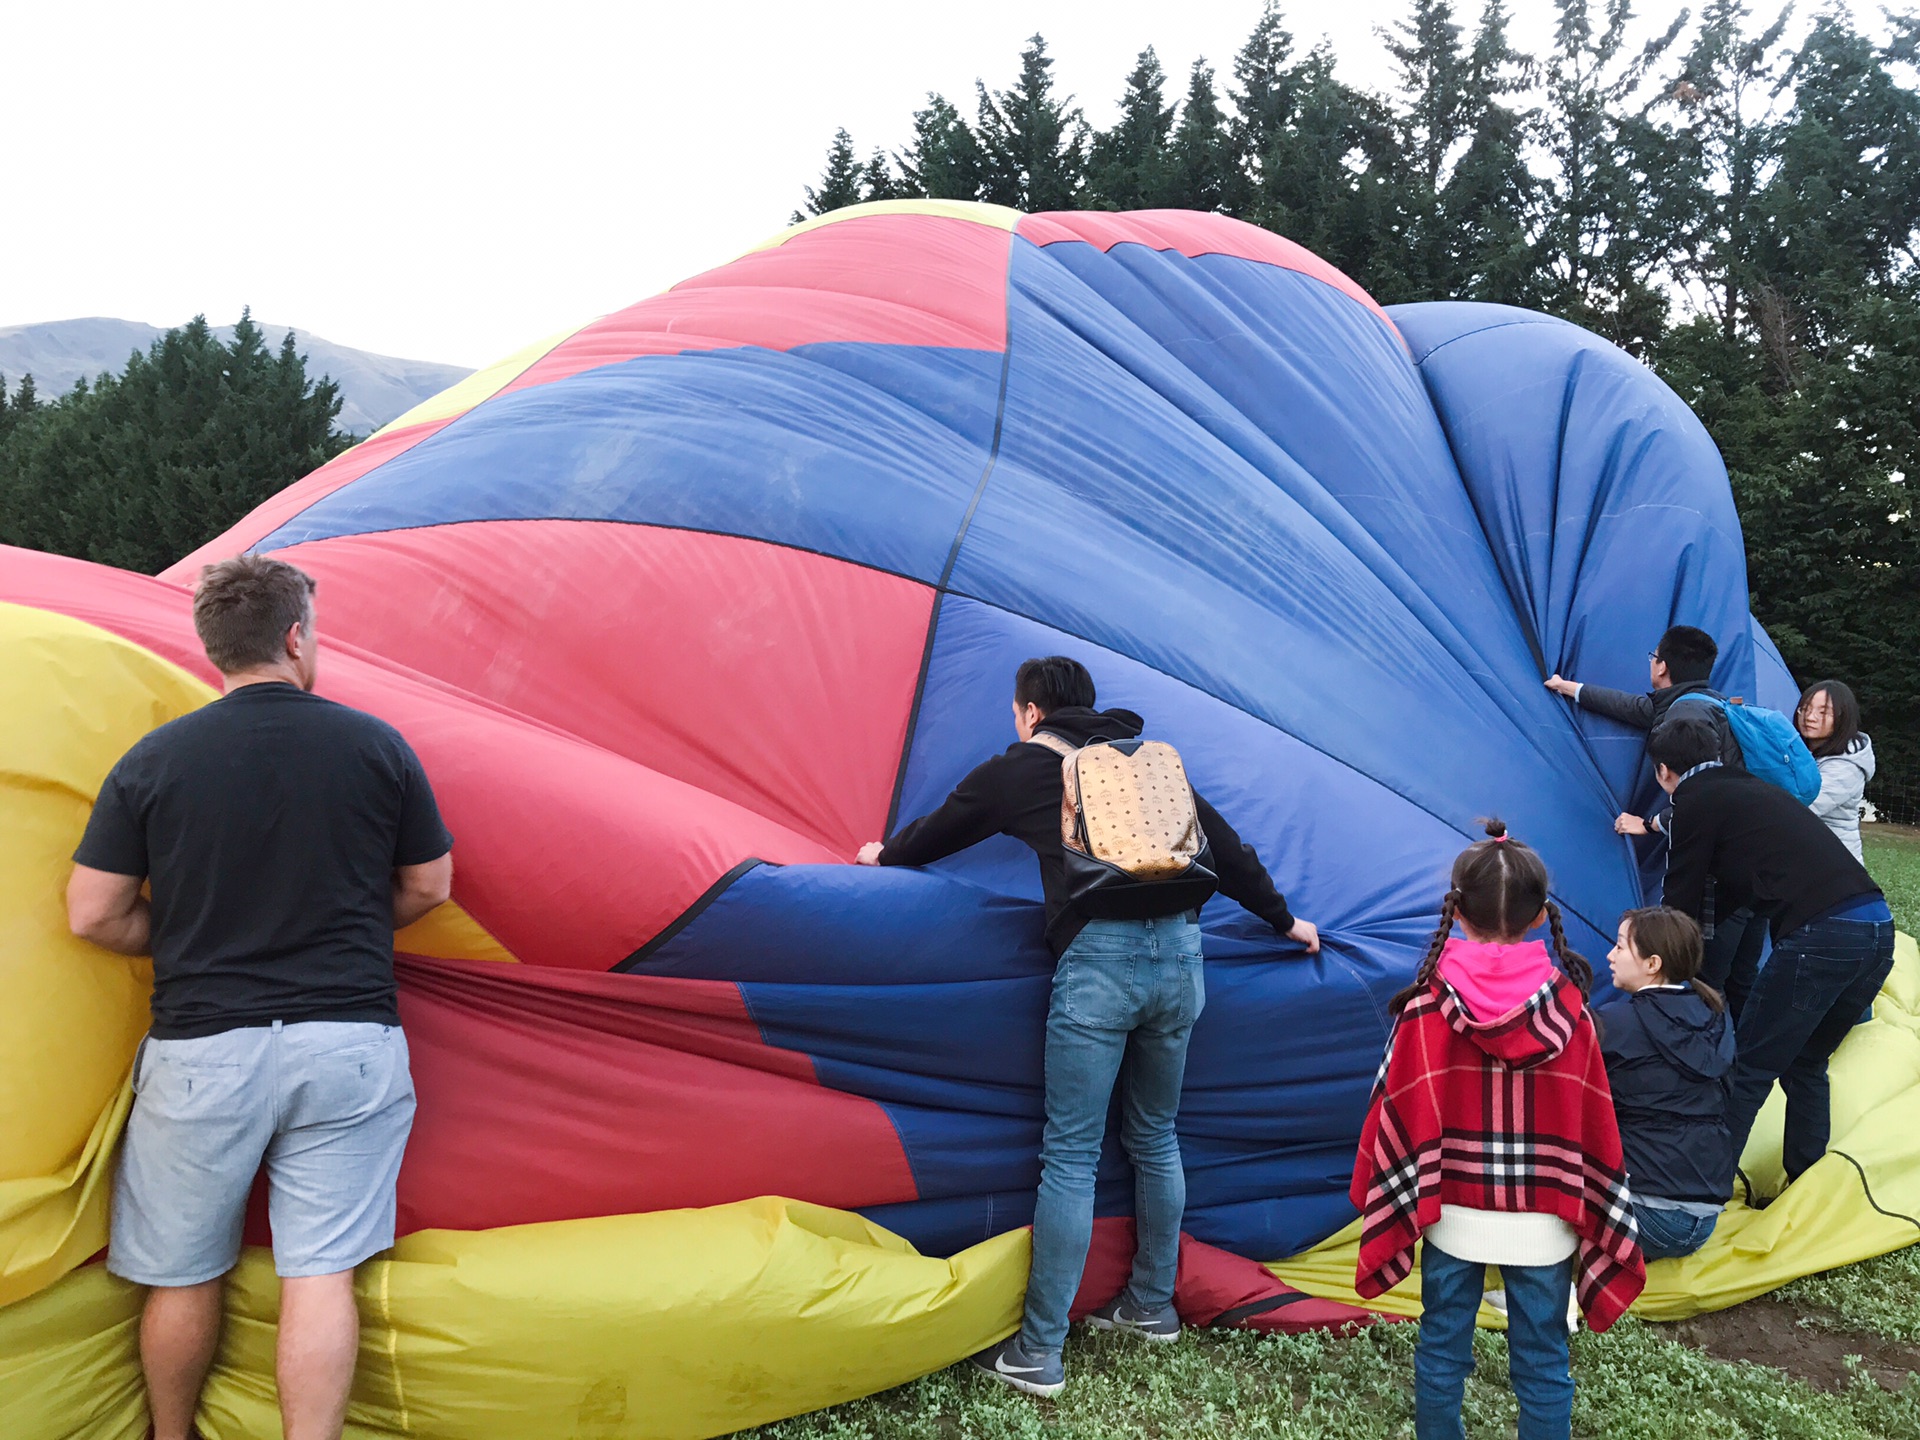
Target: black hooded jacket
point(1018, 793)
point(1668, 1053)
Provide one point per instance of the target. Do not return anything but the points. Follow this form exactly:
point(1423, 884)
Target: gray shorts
point(326, 1104)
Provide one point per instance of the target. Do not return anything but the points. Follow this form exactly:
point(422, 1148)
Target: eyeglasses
point(1653, 654)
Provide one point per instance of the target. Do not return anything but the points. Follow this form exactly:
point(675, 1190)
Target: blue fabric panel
point(1231, 473)
point(927, 990)
point(866, 452)
point(1773, 684)
point(1603, 500)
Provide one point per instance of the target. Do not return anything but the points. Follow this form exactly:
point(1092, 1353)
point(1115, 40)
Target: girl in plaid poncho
point(1492, 1136)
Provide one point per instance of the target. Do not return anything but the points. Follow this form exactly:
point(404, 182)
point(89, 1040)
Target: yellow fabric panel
point(1861, 1200)
point(482, 385)
point(640, 1327)
point(73, 698)
point(450, 933)
point(70, 1361)
point(1000, 217)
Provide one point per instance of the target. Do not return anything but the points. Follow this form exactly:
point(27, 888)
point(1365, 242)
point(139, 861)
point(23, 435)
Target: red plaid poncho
point(1513, 1114)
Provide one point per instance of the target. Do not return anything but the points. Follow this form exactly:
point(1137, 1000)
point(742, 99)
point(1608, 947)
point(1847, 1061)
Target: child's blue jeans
point(1537, 1353)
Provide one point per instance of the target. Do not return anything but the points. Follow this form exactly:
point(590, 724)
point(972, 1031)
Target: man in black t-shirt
point(283, 838)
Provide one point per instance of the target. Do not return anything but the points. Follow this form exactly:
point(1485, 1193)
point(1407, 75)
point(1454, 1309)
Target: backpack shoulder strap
point(1049, 741)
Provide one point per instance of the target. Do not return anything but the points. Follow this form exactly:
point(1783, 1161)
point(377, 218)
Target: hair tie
point(1500, 839)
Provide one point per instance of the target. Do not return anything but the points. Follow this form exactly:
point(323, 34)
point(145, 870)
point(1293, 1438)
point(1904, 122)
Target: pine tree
point(877, 180)
point(1490, 205)
point(1128, 167)
point(1266, 94)
point(943, 162)
point(138, 469)
point(1205, 173)
point(1600, 245)
point(842, 183)
point(1706, 168)
point(1318, 181)
point(1033, 144)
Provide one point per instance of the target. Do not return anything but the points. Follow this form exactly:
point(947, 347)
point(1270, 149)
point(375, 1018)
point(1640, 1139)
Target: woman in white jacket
point(1828, 719)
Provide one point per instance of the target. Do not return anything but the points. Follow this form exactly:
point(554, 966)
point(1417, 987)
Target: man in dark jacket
point(1832, 930)
point(1682, 665)
point(1124, 990)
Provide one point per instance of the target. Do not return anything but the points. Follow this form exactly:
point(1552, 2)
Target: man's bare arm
point(109, 910)
point(419, 888)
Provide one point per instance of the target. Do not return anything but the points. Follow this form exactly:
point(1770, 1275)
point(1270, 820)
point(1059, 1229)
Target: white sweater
point(1502, 1237)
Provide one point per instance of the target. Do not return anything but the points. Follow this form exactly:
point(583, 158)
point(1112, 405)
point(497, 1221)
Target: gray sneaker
point(1119, 1314)
point(1045, 1376)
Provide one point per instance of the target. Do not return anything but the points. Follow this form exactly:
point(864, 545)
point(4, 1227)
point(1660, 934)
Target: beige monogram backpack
point(1130, 831)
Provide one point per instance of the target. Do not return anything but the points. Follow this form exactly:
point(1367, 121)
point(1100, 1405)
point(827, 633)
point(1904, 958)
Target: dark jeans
point(1816, 987)
point(1125, 996)
point(1732, 959)
point(1668, 1234)
point(1537, 1355)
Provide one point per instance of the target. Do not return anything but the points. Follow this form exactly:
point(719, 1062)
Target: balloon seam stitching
point(940, 590)
point(686, 917)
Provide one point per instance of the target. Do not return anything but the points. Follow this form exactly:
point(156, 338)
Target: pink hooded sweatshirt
point(1495, 980)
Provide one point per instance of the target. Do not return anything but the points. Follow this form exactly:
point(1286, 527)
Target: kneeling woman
point(1668, 1050)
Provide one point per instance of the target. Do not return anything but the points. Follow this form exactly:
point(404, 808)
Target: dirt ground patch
point(1769, 1332)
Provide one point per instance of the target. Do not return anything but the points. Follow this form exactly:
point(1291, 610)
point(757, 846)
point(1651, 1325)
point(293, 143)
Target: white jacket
point(1843, 780)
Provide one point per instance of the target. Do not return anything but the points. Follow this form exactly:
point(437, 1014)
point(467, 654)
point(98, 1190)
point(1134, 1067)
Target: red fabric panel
point(775, 679)
point(546, 1095)
point(1211, 1282)
point(1192, 234)
point(842, 282)
point(270, 515)
point(569, 854)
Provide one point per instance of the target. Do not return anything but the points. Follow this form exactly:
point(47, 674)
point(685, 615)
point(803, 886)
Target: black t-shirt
point(269, 823)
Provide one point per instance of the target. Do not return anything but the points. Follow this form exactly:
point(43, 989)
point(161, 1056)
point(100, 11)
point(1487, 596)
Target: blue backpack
point(1771, 747)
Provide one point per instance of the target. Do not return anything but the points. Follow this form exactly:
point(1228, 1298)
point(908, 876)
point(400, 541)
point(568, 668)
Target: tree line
point(1733, 200)
point(138, 469)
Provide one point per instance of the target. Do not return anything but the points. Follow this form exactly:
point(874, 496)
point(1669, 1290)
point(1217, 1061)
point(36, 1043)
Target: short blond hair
point(244, 607)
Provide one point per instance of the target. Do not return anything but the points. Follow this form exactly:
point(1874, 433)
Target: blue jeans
point(1125, 991)
point(1816, 987)
point(1732, 957)
point(1668, 1234)
point(1537, 1355)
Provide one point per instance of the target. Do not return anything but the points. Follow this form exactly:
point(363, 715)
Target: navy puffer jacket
point(1668, 1053)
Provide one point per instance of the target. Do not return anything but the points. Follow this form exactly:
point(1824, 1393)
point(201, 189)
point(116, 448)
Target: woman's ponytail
point(1423, 977)
point(1716, 1002)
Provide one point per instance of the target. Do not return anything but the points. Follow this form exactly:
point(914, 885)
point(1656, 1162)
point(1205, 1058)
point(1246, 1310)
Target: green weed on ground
point(1880, 1296)
point(1632, 1384)
point(1893, 856)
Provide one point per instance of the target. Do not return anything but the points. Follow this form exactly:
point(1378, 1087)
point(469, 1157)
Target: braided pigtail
point(1423, 977)
point(1572, 962)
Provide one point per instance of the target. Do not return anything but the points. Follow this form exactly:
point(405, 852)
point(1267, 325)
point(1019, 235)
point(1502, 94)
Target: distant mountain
point(373, 388)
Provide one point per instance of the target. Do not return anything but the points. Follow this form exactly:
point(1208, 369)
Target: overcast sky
point(450, 181)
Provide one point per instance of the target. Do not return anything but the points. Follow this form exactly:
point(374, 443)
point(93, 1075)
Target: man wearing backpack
point(1832, 930)
point(1123, 990)
point(1681, 666)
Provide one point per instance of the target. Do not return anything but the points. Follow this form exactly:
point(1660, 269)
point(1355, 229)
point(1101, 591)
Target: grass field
point(1637, 1382)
